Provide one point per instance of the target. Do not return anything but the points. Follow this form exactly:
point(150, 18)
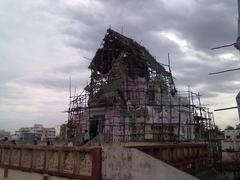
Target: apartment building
point(36, 132)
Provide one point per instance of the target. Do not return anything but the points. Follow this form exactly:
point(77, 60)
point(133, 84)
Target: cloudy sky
point(43, 43)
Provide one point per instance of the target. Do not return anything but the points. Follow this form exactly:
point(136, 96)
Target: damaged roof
point(120, 59)
point(133, 54)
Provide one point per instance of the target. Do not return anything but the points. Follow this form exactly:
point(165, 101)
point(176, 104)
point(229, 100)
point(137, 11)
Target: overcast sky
point(43, 42)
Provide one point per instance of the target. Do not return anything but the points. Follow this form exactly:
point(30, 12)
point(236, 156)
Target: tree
point(229, 128)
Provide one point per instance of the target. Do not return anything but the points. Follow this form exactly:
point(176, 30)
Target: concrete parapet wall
point(21, 175)
point(70, 162)
point(1, 173)
point(182, 156)
point(132, 164)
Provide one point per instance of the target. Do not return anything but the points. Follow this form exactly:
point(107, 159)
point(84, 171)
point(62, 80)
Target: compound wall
point(69, 162)
point(132, 164)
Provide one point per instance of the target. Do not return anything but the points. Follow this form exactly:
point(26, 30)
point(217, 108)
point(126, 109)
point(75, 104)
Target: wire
point(223, 46)
point(228, 70)
point(223, 109)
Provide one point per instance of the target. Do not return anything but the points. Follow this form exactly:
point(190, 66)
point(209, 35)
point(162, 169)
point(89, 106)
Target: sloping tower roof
point(136, 56)
point(120, 59)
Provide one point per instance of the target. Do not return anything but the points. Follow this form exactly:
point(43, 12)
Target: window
point(151, 95)
point(228, 137)
point(183, 130)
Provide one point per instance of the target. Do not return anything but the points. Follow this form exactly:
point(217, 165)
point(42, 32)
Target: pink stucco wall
point(117, 118)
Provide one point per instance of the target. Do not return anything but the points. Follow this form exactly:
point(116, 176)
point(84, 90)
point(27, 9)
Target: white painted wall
point(132, 164)
point(231, 139)
point(233, 134)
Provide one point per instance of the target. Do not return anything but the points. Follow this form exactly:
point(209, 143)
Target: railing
point(228, 166)
point(71, 162)
point(182, 156)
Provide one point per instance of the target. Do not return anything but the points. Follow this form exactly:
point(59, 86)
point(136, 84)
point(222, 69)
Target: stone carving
point(68, 162)
point(71, 162)
point(85, 164)
point(52, 160)
point(15, 157)
point(6, 156)
point(26, 158)
point(39, 159)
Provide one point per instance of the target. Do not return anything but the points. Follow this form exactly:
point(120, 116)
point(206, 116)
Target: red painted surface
point(95, 153)
point(45, 177)
point(97, 163)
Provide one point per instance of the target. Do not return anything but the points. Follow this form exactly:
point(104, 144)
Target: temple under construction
point(132, 98)
point(137, 121)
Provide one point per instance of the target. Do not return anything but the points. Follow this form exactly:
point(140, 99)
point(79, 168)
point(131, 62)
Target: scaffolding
point(199, 122)
point(132, 98)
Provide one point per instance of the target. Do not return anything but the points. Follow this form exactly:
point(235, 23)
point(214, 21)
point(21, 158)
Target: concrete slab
point(132, 164)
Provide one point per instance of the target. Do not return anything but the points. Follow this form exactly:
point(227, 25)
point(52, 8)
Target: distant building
point(63, 132)
point(4, 133)
point(36, 132)
point(231, 140)
point(48, 134)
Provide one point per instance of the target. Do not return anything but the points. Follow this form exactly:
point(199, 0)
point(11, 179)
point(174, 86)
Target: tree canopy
point(229, 128)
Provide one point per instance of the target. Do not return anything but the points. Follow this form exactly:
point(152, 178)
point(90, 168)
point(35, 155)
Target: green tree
point(229, 128)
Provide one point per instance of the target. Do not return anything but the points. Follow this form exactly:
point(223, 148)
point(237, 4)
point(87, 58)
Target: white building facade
point(231, 139)
point(36, 132)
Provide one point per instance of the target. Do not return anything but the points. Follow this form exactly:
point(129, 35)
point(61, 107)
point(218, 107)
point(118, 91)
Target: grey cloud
point(204, 24)
point(60, 84)
point(81, 66)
